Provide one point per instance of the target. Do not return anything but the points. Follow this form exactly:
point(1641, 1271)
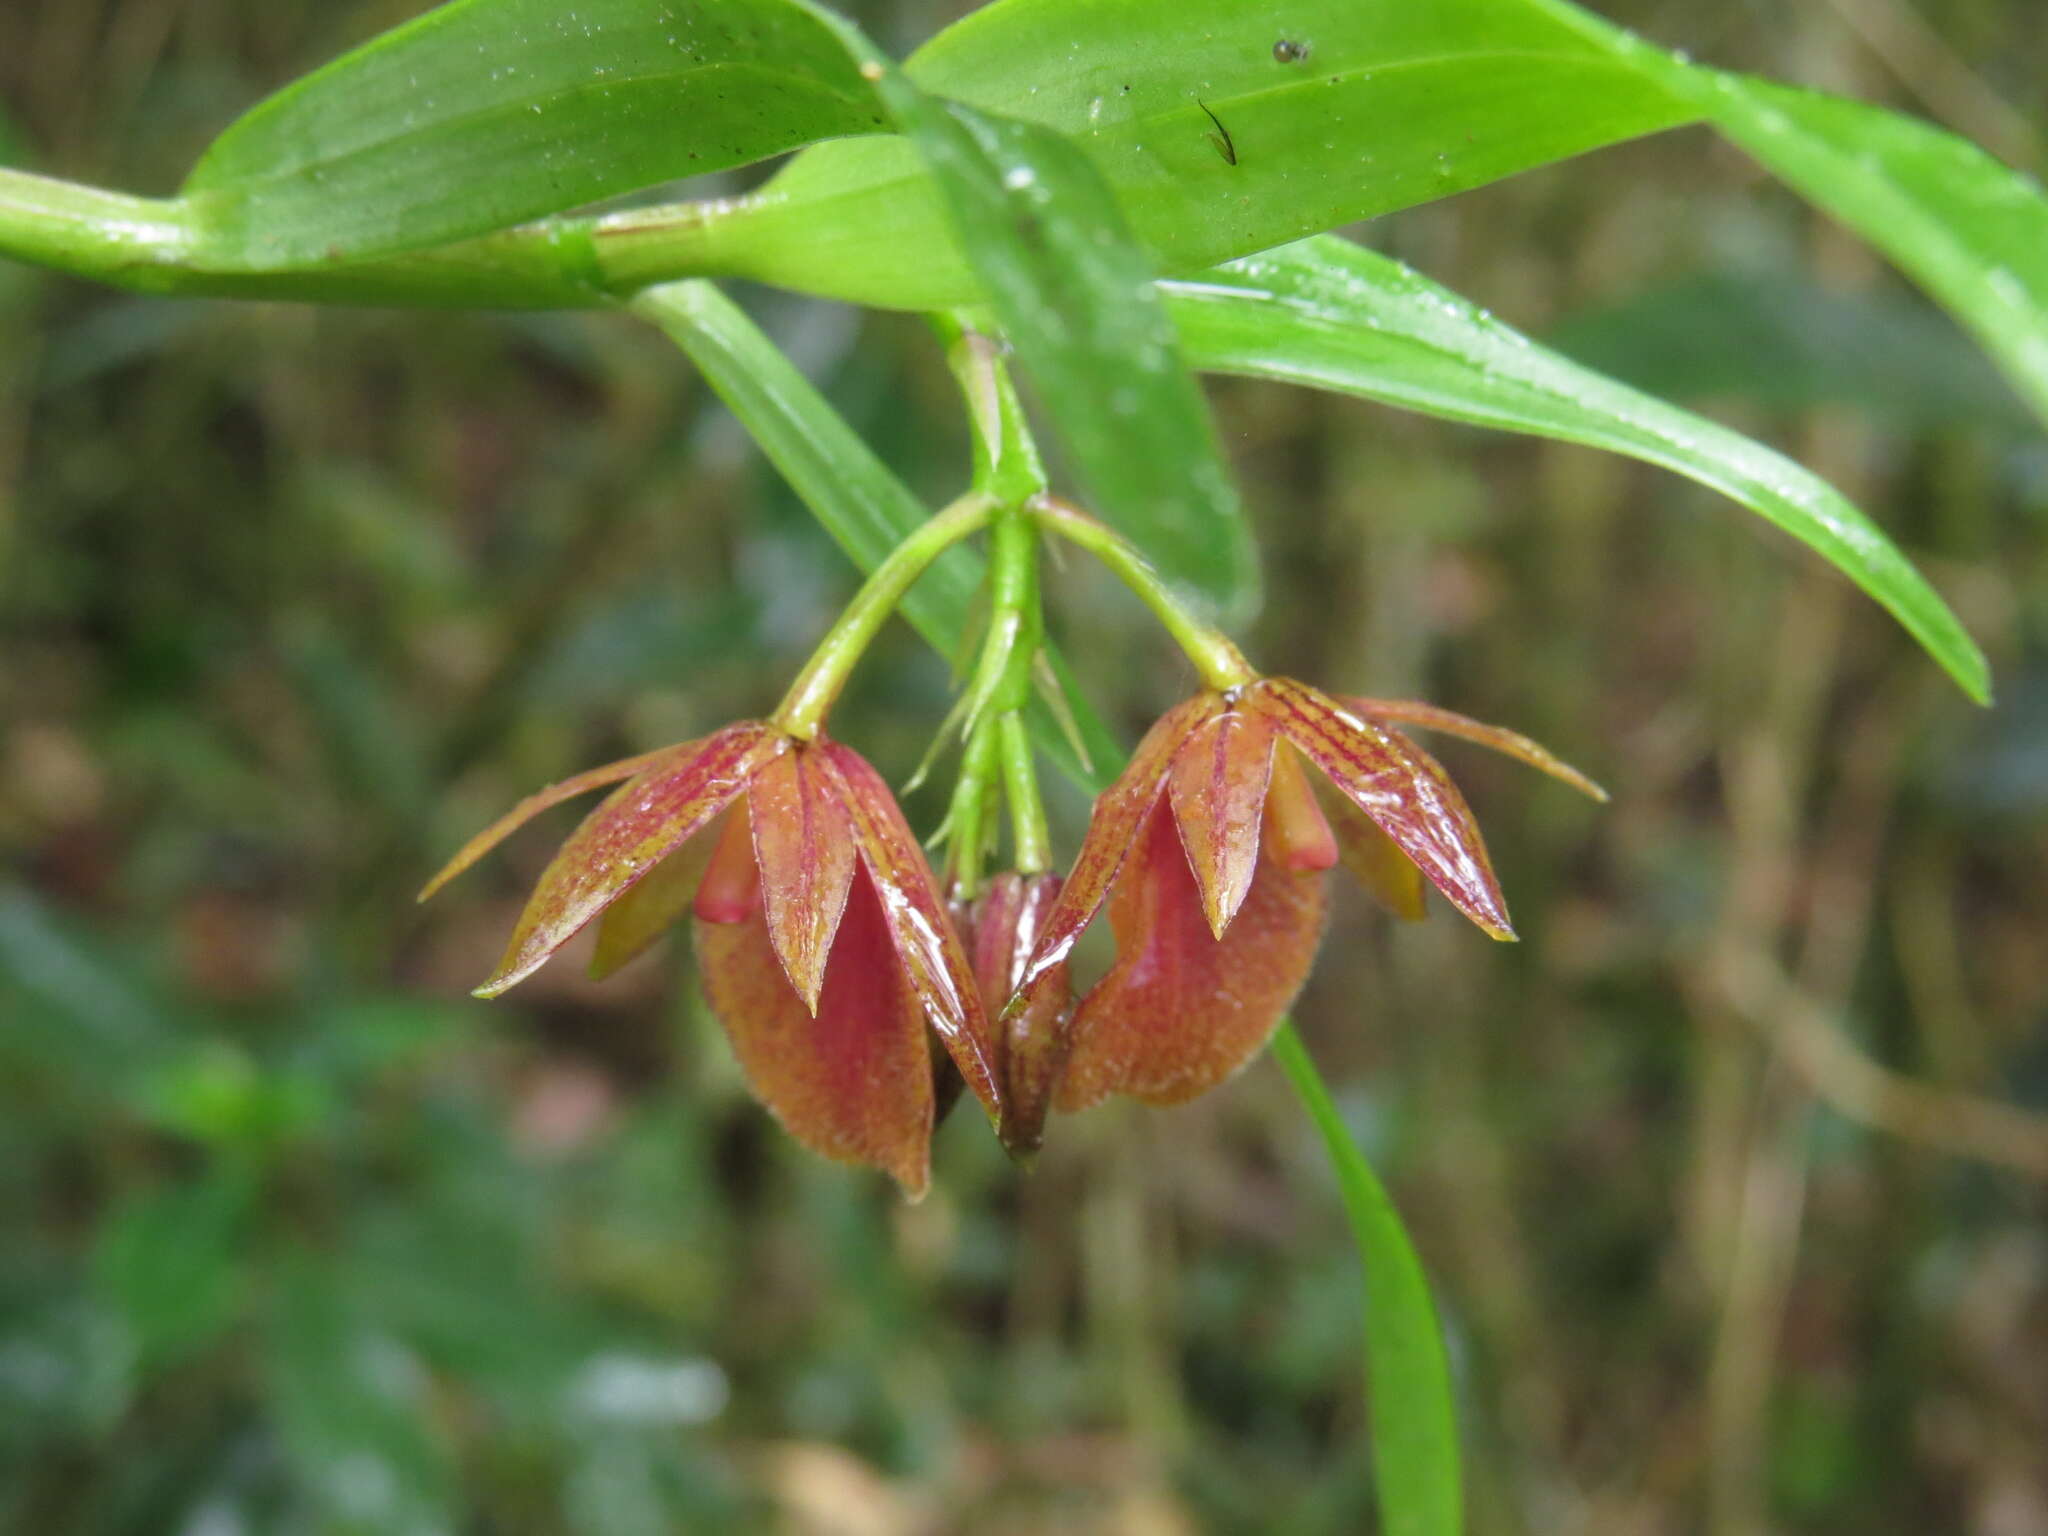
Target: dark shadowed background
point(1732, 1176)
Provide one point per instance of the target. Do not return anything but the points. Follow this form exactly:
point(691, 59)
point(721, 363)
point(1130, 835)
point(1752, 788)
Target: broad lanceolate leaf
point(1971, 231)
point(1224, 127)
point(851, 492)
point(1333, 315)
point(484, 113)
point(1076, 299)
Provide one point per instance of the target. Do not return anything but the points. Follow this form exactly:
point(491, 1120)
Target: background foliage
point(299, 1238)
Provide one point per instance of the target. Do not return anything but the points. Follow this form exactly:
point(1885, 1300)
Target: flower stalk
point(1221, 665)
point(801, 714)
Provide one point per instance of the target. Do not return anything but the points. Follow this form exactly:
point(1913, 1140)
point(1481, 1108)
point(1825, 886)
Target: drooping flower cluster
point(829, 954)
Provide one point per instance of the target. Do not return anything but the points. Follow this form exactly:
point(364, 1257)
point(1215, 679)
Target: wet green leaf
point(484, 113)
point(1774, 336)
point(1075, 297)
point(1973, 233)
point(1333, 315)
point(1217, 139)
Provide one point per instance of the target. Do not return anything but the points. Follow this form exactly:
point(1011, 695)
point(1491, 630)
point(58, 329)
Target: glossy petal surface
point(803, 842)
point(641, 823)
point(630, 925)
point(1400, 786)
point(1513, 743)
point(1005, 924)
point(1218, 788)
point(547, 799)
point(1375, 862)
point(854, 1082)
point(1119, 817)
point(1181, 1010)
point(934, 961)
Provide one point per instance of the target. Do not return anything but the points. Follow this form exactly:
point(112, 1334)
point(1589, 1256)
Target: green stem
point(1408, 1374)
point(967, 816)
point(1220, 663)
point(1031, 842)
point(803, 709)
point(1006, 460)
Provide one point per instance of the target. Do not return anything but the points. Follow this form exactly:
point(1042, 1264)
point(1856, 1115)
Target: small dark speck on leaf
point(1225, 146)
point(1289, 51)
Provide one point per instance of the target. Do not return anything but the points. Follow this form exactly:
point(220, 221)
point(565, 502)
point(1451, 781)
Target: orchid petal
point(1118, 819)
point(932, 957)
point(803, 842)
point(853, 1082)
point(1006, 921)
point(542, 800)
point(1218, 788)
point(1298, 834)
point(1376, 862)
point(640, 824)
point(649, 909)
point(1400, 786)
point(1181, 1010)
point(1513, 743)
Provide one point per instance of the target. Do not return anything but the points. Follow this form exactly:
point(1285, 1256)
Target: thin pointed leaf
point(1075, 297)
point(1971, 231)
point(1333, 315)
point(1408, 1374)
point(484, 113)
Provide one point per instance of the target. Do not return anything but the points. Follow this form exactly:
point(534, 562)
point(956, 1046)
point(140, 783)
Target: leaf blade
point(526, 109)
point(1414, 1418)
point(1333, 315)
point(1076, 299)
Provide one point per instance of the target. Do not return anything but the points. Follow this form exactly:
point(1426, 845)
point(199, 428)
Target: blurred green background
point(1731, 1176)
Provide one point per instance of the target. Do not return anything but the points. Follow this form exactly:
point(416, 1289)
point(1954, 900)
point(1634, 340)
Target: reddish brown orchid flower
point(824, 944)
point(1002, 926)
point(1209, 850)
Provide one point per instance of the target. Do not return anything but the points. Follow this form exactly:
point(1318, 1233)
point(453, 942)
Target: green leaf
point(1969, 230)
point(1333, 315)
point(1973, 233)
point(852, 493)
point(483, 113)
point(169, 1265)
point(1774, 336)
point(1414, 1423)
point(1392, 104)
point(1075, 297)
